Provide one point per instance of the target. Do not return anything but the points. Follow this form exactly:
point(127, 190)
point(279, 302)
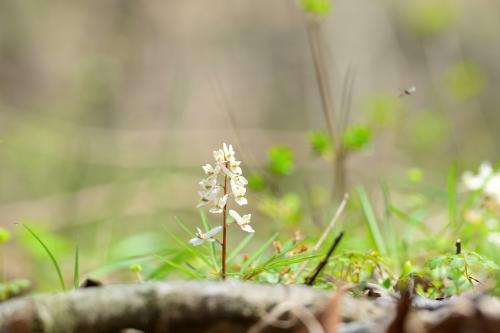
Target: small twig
point(321, 75)
point(458, 246)
point(324, 261)
point(330, 226)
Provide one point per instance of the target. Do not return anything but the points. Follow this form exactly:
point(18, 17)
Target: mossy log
point(230, 306)
point(174, 306)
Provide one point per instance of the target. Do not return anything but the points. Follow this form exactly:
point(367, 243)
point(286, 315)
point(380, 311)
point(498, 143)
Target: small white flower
point(475, 182)
point(219, 156)
point(219, 205)
point(228, 151)
point(234, 167)
point(243, 221)
point(238, 179)
point(238, 192)
point(208, 196)
point(207, 236)
point(210, 170)
point(208, 183)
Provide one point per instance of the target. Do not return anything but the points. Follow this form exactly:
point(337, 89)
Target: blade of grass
point(51, 256)
point(277, 261)
point(183, 226)
point(188, 248)
point(76, 270)
point(181, 268)
point(240, 247)
point(389, 226)
point(411, 220)
point(371, 221)
point(259, 252)
point(204, 220)
point(162, 270)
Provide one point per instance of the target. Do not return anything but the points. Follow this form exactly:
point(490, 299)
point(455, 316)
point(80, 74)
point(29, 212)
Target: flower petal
point(234, 214)
point(196, 241)
point(212, 232)
point(241, 201)
point(247, 228)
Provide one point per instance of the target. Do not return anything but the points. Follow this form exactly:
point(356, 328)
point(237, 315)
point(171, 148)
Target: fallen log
point(174, 306)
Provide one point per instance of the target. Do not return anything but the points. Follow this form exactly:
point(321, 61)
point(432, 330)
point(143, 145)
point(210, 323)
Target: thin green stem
point(224, 230)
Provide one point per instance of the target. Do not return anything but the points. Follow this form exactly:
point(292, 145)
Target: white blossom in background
point(486, 180)
point(494, 238)
point(474, 182)
point(226, 171)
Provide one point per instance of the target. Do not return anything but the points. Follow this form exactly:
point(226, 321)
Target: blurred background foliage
point(108, 110)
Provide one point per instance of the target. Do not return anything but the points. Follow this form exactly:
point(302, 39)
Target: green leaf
point(320, 143)
point(281, 160)
point(51, 256)
point(4, 235)
point(256, 182)
point(356, 137)
point(436, 262)
point(317, 7)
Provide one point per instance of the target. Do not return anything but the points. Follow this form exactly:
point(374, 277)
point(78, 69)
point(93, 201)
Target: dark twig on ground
point(324, 261)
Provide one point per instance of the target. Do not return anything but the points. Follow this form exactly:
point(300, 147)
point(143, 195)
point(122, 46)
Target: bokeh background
point(109, 108)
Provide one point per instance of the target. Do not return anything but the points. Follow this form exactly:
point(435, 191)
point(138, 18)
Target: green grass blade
point(188, 248)
point(411, 220)
point(240, 247)
point(51, 256)
point(183, 226)
point(259, 252)
point(389, 226)
point(76, 270)
point(371, 221)
point(204, 220)
point(181, 268)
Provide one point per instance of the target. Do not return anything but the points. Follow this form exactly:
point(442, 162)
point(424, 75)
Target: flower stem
point(224, 230)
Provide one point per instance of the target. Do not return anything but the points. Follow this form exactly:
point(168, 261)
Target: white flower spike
point(223, 180)
point(243, 221)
